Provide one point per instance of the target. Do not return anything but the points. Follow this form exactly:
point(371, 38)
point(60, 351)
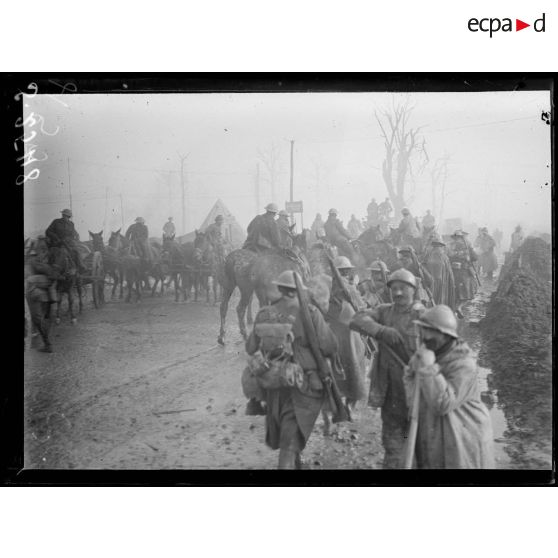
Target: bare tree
point(403, 144)
point(271, 159)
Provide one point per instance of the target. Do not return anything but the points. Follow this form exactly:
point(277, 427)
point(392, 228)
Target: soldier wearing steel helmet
point(392, 325)
point(263, 232)
point(344, 302)
point(62, 233)
point(374, 290)
point(409, 260)
point(279, 335)
point(454, 426)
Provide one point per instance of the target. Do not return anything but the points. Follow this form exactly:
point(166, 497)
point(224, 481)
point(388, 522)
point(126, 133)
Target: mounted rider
point(372, 213)
point(516, 239)
point(284, 229)
point(385, 210)
point(138, 235)
point(428, 221)
point(263, 232)
point(169, 230)
point(62, 233)
point(317, 227)
point(408, 228)
point(337, 234)
point(354, 227)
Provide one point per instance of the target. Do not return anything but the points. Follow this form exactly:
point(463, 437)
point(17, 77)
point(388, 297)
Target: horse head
point(117, 241)
point(97, 239)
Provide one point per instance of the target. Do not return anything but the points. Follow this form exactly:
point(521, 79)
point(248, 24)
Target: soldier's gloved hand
point(364, 324)
point(390, 336)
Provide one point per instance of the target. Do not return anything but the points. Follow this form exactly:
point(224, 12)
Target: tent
point(232, 231)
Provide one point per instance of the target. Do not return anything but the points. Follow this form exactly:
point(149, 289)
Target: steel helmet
point(457, 233)
point(405, 211)
point(342, 262)
point(140, 220)
point(283, 213)
point(272, 207)
point(405, 249)
point(403, 275)
point(286, 279)
point(379, 265)
point(333, 211)
point(441, 318)
point(66, 212)
point(32, 252)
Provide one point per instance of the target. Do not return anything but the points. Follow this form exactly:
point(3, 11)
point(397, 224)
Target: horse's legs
point(249, 316)
point(79, 293)
point(245, 299)
point(71, 304)
point(226, 296)
point(121, 281)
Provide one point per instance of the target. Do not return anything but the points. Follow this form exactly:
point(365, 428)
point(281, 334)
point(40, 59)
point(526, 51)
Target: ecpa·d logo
point(494, 24)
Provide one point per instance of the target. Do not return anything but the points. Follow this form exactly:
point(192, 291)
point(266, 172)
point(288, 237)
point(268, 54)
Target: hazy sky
point(499, 149)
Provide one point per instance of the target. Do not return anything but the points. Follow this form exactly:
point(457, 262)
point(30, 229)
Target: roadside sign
point(293, 207)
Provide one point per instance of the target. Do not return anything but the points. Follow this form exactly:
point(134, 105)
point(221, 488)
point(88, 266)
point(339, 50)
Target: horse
point(68, 279)
point(159, 268)
point(132, 268)
point(237, 271)
point(212, 264)
point(176, 255)
point(396, 238)
point(111, 262)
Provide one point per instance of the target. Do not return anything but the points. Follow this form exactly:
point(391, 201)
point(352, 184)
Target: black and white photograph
point(312, 278)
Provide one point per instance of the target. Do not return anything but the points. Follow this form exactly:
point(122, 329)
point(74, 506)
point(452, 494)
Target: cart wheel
point(98, 285)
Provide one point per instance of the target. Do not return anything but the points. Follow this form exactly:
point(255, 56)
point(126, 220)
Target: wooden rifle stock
point(340, 412)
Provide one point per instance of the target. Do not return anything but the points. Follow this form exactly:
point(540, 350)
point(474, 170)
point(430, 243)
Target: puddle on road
point(521, 414)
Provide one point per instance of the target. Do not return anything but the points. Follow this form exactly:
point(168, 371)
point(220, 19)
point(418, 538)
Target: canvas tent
point(232, 231)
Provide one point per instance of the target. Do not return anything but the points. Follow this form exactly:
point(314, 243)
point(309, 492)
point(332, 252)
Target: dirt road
point(145, 386)
point(142, 386)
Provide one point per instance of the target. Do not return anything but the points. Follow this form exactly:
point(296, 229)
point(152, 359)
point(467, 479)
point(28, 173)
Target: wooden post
point(122, 210)
point(257, 186)
point(291, 198)
point(70, 186)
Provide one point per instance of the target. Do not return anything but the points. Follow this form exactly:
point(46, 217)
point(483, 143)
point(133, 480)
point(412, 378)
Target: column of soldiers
point(414, 343)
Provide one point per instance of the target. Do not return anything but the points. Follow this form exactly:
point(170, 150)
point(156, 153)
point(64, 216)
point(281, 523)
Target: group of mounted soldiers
point(397, 326)
point(56, 258)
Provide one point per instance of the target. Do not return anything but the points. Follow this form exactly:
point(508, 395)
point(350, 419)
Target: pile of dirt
point(518, 323)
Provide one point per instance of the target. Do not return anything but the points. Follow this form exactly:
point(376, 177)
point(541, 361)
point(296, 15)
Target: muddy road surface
point(146, 386)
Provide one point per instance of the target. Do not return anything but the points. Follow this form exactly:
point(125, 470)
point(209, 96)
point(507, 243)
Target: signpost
point(295, 207)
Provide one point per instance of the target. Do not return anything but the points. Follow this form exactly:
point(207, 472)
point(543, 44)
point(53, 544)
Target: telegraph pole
point(291, 182)
point(106, 205)
point(183, 187)
point(257, 185)
point(70, 186)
